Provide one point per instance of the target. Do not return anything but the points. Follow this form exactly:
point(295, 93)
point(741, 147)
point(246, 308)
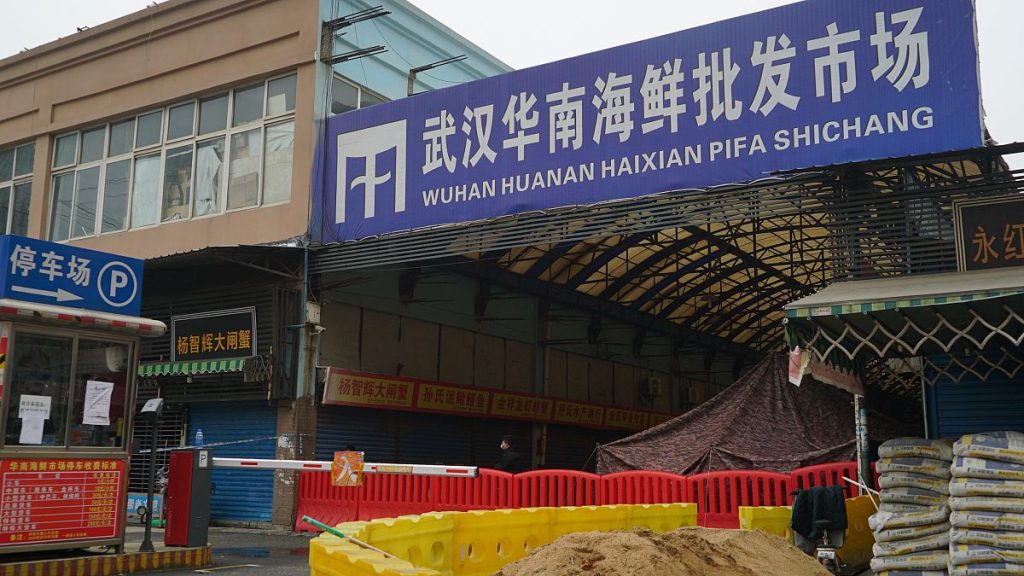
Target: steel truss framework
point(716, 266)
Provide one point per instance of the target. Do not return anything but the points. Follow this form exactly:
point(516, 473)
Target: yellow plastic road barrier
point(856, 550)
point(477, 542)
point(770, 519)
point(660, 517)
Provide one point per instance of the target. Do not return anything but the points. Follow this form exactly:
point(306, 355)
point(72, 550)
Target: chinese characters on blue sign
point(49, 273)
point(809, 84)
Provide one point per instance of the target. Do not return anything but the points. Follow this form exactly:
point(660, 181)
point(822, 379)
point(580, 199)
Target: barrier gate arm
point(368, 467)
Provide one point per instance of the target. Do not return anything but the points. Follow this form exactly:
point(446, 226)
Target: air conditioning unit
point(650, 387)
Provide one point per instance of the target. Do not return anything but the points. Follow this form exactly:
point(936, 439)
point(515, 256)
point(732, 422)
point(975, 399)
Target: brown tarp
point(762, 422)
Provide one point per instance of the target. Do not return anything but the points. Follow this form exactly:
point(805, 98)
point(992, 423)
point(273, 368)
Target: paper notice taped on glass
point(31, 429)
point(97, 403)
point(32, 405)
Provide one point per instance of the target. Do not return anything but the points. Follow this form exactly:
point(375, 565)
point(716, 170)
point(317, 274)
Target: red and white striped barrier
point(368, 467)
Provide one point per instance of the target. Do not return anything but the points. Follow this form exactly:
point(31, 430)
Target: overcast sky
point(527, 32)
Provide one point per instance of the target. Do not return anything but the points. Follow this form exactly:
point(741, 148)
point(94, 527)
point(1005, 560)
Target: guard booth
point(69, 340)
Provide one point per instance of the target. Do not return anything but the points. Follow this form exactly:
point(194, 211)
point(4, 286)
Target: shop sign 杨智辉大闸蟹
point(214, 335)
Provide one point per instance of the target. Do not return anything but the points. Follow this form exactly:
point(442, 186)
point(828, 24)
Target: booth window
point(67, 391)
point(40, 380)
point(101, 388)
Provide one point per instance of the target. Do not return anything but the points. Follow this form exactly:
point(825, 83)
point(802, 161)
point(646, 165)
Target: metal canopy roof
point(712, 267)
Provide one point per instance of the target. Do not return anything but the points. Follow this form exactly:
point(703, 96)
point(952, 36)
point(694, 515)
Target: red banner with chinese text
point(351, 388)
point(57, 499)
point(578, 413)
point(454, 399)
point(522, 406)
point(625, 419)
point(370, 390)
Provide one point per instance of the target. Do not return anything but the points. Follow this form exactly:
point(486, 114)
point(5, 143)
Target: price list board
point(50, 500)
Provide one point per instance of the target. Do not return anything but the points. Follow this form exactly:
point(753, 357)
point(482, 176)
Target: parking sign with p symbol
point(117, 284)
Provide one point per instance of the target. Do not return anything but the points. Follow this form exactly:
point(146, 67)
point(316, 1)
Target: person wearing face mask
point(510, 460)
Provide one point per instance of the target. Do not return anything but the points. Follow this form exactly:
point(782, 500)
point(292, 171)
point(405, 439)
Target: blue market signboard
point(815, 83)
point(50, 273)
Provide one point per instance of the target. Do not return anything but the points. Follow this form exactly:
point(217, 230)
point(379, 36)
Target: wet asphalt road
point(237, 552)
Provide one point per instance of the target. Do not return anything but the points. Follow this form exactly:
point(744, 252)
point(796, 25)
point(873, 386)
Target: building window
point(16, 165)
point(347, 96)
point(191, 159)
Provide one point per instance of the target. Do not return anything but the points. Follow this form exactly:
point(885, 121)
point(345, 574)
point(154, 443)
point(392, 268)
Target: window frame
point(162, 147)
point(263, 162)
point(135, 137)
point(53, 165)
point(16, 181)
point(167, 122)
point(360, 90)
point(270, 118)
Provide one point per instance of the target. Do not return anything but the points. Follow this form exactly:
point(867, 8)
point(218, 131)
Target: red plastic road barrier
point(319, 499)
point(720, 494)
point(490, 490)
point(554, 488)
point(389, 495)
point(825, 475)
point(643, 487)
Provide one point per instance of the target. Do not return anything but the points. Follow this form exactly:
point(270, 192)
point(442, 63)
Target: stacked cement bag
point(912, 525)
point(987, 500)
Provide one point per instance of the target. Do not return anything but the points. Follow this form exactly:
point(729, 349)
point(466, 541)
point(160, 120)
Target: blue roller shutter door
point(434, 439)
point(238, 430)
point(372, 431)
point(573, 448)
point(973, 405)
point(412, 438)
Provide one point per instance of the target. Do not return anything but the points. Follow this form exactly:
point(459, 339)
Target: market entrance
point(641, 262)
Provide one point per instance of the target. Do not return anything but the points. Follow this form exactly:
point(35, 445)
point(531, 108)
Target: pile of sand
point(686, 552)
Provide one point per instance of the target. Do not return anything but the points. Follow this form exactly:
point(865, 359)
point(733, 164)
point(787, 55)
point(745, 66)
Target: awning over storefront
point(18, 310)
point(152, 369)
point(909, 316)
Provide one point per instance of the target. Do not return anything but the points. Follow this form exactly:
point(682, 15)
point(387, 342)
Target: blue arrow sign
point(50, 273)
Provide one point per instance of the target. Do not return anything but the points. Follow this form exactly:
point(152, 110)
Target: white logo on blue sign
point(371, 161)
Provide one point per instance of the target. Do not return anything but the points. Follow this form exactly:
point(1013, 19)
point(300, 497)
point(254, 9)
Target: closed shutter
point(238, 430)
point(372, 431)
point(412, 438)
point(434, 439)
point(573, 448)
point(973, 405)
